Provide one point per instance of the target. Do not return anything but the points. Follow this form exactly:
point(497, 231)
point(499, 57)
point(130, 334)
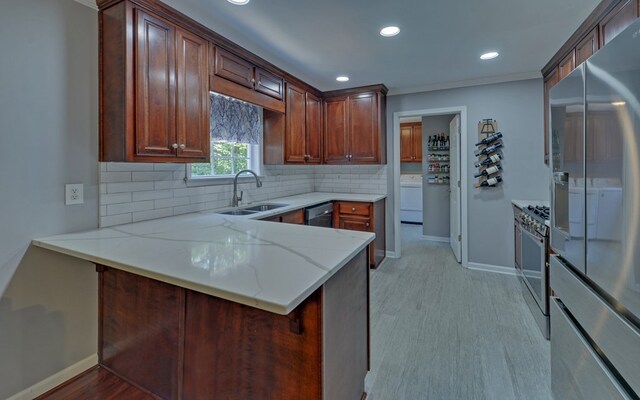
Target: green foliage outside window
point(226, 159)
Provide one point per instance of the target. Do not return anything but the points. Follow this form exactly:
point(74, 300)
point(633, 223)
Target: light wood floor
point(441, 332)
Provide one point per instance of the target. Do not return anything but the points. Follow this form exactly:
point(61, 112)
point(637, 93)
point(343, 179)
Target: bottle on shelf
point(429, 145)
point(489, 182)
point(489, 149)
point(490, 139)
point(494, 158)
point(489, 170)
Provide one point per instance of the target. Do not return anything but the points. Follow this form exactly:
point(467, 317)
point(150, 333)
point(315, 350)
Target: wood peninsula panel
point(141, 331)
point(237, 352)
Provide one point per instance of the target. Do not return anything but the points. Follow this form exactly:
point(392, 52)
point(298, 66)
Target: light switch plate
point(73, 193)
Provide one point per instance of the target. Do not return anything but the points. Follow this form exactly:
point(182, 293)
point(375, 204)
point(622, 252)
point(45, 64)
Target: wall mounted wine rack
point(489, 154)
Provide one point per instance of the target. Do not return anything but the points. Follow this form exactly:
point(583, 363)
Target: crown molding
point(466, 83)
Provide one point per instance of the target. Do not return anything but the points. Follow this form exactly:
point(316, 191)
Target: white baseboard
point(440, 239)
point(391, 254)
point(493, 268)
point(56, 379)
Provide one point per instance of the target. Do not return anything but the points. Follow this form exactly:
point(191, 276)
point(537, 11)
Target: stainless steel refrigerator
point(595, 225)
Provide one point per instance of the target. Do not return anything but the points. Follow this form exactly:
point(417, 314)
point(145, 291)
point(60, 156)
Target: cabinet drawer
point(355, 223)
point(355, 208)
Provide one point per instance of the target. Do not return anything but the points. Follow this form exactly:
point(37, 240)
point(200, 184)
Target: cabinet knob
point(353, 208)
point(367, 224)
point(175, 145)
point(253, 80)
point(183, 146)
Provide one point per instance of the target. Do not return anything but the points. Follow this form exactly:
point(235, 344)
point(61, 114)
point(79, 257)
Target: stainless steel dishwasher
point(320, 215)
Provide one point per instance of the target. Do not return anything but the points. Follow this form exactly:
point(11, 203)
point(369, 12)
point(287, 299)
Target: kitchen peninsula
point(209, 306)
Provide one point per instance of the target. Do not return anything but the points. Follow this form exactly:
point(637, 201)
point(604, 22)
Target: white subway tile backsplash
point(129, 167)
point(152, 176)
point(152, 195)
point(129, 187)
point(158, 190)
point(115, 220)
point(113, 209)
point(110, 177)
point(115, 198)
point(174, 201)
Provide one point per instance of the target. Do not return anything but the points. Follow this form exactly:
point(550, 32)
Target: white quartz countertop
point(411, 180)
point(267, 265)
point(522, 204)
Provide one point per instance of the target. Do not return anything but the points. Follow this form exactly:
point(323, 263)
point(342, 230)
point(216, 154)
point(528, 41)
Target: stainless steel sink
point(264, 207)
point(237, 212)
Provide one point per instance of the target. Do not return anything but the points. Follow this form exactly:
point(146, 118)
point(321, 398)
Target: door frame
point(462, 110)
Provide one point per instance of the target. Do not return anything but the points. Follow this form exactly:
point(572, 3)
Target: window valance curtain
point(234, 120)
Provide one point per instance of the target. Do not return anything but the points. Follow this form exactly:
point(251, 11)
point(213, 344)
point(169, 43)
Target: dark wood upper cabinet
point(608, 19)
point(154, 102)
point(155, 131)
point(567, 65)
point(238, 70)
point(335, 131)
point(233, 68)
point(295, 133)
point(193, 116)
point(268, 83)
point(354, 128)
point(411, 142)
point(587, 47)
point(618, 19)
point(314, 128)
point(406, 143)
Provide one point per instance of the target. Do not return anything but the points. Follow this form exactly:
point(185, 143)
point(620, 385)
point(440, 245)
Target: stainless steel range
point(532, 262)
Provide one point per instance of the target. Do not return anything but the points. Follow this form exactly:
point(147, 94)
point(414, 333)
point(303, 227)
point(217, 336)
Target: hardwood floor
point(96, 384)
point(442, 332)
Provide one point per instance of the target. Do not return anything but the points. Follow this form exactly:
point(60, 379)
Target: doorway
point(441, 180)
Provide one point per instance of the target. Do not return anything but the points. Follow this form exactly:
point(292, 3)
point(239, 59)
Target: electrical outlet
point(73, 193)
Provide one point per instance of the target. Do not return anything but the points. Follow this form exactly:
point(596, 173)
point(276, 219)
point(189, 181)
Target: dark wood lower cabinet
point(179, 344)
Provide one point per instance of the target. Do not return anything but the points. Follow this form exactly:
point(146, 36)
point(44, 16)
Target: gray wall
point(48, 119)
point(517, 106)
point(435, 197)
point(410, 168)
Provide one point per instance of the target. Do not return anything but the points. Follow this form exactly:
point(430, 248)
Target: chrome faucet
point(236, 199)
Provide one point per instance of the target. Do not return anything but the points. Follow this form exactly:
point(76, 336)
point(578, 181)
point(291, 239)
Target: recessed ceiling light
point(618, 103)
point(489, 55)
point(342, 78)
point(388, 31)
point(238, 2)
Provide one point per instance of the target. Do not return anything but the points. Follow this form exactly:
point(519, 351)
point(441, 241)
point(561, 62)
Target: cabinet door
point(314, 129)
point(567, 65)
point(406, 142)
point(335, 131)
point(618, 19)
point(587, 47)
point(155, 86)
point(295, 130)
point(233, 68)
point(549, 82)
point(363, 128)
point(416, 139)
point(269, 84)
point(193, 96)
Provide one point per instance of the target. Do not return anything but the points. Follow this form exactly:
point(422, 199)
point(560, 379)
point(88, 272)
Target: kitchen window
point(236, 133)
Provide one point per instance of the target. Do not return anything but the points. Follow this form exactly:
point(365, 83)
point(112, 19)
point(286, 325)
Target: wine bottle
point(489, 182)
point(489, 160)
point(489, 149)
point(490, 139)
point(489, 170)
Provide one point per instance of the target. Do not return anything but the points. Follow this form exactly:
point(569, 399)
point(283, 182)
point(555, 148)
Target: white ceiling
point(439, 45)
